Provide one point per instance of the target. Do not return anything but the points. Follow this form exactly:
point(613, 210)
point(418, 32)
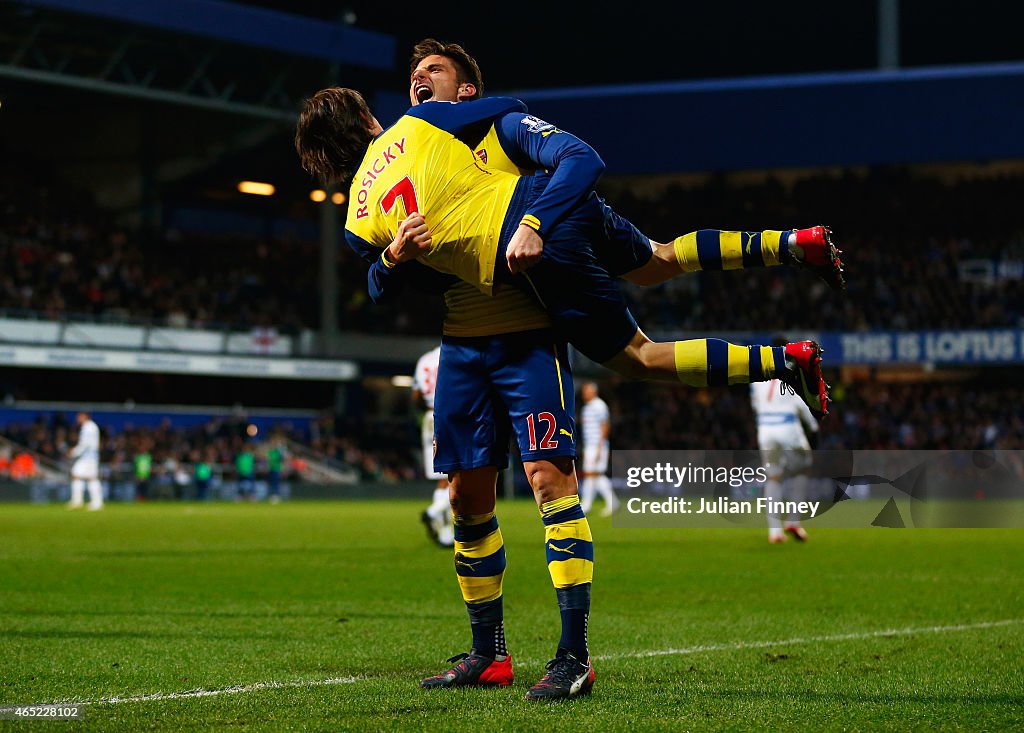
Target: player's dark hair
point(332, 136)
point(467, 70)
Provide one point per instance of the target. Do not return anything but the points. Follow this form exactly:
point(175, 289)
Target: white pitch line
point(732, 646)
point(233, 690)
point(737, 645)
point(236, 689)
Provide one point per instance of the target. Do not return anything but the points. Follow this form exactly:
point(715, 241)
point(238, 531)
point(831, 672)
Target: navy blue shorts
point(621, 247)
point(489, 384)
point(575, 281)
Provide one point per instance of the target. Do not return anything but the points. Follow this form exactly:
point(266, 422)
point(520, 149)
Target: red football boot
point(815, 251)
point(803, 375)
point(473, 670)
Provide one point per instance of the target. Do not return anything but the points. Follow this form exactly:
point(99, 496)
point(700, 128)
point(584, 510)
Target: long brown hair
point(332, 136)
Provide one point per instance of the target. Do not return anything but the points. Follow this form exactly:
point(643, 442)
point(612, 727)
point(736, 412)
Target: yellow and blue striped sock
point(480, 566)
point(570, 555)
point(713, 362)
point(714, 249)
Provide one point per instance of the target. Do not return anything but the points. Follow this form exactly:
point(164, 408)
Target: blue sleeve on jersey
point(454, 117)
point(575, 166)
point(384, 284)
point(361, 247)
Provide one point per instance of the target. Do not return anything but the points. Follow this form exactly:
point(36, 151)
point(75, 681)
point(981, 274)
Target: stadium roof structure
point(203, 53)
point(967, 112)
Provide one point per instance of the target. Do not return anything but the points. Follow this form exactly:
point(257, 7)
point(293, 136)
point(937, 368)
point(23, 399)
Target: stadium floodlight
point(338, 198)
point(318, 195)
point(401, 380)
point(256, 188)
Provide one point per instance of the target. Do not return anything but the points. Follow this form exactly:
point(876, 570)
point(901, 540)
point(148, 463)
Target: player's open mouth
point(424, 93)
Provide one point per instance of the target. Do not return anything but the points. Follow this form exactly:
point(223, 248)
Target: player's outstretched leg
point(570, 555)
point(713, 362)
point(480, 566)
point(716, 249)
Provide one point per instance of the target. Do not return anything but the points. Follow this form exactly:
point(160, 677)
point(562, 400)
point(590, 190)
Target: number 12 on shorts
point(546, 443)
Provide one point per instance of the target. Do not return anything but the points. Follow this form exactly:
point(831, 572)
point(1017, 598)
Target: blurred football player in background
point(85, 471)
point(786, 433)
point(438, 516)
point(595, 426)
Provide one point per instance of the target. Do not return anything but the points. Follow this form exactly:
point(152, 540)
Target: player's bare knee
point(473, 491)
point(551, 479)
point(661, 267)
point(630, 362)
point(455, 492)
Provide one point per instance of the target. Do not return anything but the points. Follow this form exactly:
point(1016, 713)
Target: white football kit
point(785, 450)
point(425, 382)
point(87, 452)
point(438, 516)
point(780, 432)
point(593, 418)
point(85, 471)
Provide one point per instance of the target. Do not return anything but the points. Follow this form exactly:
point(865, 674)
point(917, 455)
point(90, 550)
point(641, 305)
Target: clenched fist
point(411, 240)
point(524, 249)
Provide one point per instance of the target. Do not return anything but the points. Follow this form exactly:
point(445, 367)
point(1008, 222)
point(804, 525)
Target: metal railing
point(46, 468)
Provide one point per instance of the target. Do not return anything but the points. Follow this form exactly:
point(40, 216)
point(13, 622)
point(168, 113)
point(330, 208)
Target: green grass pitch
point(325, 615)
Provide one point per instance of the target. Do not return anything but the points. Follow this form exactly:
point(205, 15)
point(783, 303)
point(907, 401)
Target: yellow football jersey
point(468, 311)
point(417, 166)
point(463, 194)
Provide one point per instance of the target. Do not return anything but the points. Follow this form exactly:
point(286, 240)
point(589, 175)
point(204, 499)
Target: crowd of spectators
point(61, 257)
point(922, 251)
point(386, 448)
point(867, 415)
point(168, 454)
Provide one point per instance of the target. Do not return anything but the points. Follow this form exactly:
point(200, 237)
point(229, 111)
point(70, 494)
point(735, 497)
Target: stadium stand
point(318, 450)
point(198, 272)
point(925, 249)
point(954, 415)
point(64, 258)
point(937, 247)
point(64, 261)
